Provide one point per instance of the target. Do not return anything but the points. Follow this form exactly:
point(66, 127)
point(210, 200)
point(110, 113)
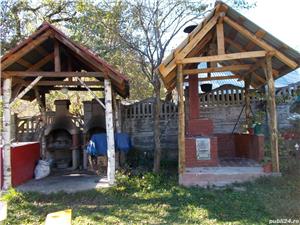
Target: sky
point(280, 18)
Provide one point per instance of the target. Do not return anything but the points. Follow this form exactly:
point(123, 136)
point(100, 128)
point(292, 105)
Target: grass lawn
point(159, 200)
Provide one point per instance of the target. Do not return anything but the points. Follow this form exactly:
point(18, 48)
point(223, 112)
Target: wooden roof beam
point(65, 83)
point(219, 78)
point(260, 43)
point(218, 69)
point(241, 48)
point(50, 74)
point(225, 57)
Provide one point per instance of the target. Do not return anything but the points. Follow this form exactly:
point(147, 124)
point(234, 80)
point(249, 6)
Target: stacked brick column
point(198, 127)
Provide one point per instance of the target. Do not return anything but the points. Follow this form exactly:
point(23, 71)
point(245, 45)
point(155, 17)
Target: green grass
point(157, 199)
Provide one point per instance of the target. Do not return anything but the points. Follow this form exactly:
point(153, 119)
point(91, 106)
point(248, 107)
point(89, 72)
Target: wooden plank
point(50, 74)
point(28, 88)
point(6, 134)
point(220, 38)
point(65, 83)
point(181, 121)
point(225, 57)
point(23, 51)
point(219, 78)
point(109, 133)
point(218, 69)
point(57, 63)
point(272, 115)
point(261, 43)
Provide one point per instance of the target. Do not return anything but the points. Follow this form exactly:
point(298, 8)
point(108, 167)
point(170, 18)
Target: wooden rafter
point(41, 51)
point(23, 51)
point(259, 34)
point(192, 44)
point(41, 63)
point(260, 42)
point(225, 57)
point(24, 63)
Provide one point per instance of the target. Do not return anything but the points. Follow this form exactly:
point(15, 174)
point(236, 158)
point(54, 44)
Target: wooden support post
point(57, 65)
point(247, 102)
point(42, 108)
point(272, 115)
point(6, 134)
point(181, 121)
point(220, 38)
point(110, 133)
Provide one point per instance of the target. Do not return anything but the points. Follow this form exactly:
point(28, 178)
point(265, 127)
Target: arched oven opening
point(63, 138)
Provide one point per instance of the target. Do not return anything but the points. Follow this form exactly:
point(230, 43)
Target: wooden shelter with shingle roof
point(49, 60)
point(225, 41)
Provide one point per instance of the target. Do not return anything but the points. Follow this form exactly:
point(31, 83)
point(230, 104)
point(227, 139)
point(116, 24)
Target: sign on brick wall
point(203, 148)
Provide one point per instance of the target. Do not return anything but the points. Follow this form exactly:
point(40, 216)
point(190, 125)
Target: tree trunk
point(157, 147)
point(109, 133)
point(6, 134)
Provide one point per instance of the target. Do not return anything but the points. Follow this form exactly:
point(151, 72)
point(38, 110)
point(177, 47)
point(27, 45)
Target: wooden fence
point(233, 96)
point(144, 109)
point(30, 127)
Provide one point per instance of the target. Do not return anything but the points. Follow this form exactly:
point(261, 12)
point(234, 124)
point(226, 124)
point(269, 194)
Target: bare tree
point(147, 27)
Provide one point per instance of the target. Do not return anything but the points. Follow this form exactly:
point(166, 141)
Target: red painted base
point(24, 157)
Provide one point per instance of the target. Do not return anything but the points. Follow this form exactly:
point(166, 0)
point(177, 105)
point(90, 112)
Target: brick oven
point(94, 122)
point(63, 138)
point(200, 144)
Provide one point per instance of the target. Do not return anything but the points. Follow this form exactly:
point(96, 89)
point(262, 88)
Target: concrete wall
point(141, 132)
point(223, 117)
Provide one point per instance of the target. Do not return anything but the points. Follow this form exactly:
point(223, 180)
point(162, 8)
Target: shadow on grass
point(158, 201)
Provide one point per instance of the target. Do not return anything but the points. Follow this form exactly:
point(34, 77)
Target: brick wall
point(191, 157)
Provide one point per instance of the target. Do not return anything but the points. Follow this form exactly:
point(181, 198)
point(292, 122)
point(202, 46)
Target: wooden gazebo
point(49, 60)
point(227, 41)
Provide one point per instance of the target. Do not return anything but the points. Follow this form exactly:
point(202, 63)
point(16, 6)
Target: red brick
point(200, 127)
point(191, 157)
point(249, 146)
